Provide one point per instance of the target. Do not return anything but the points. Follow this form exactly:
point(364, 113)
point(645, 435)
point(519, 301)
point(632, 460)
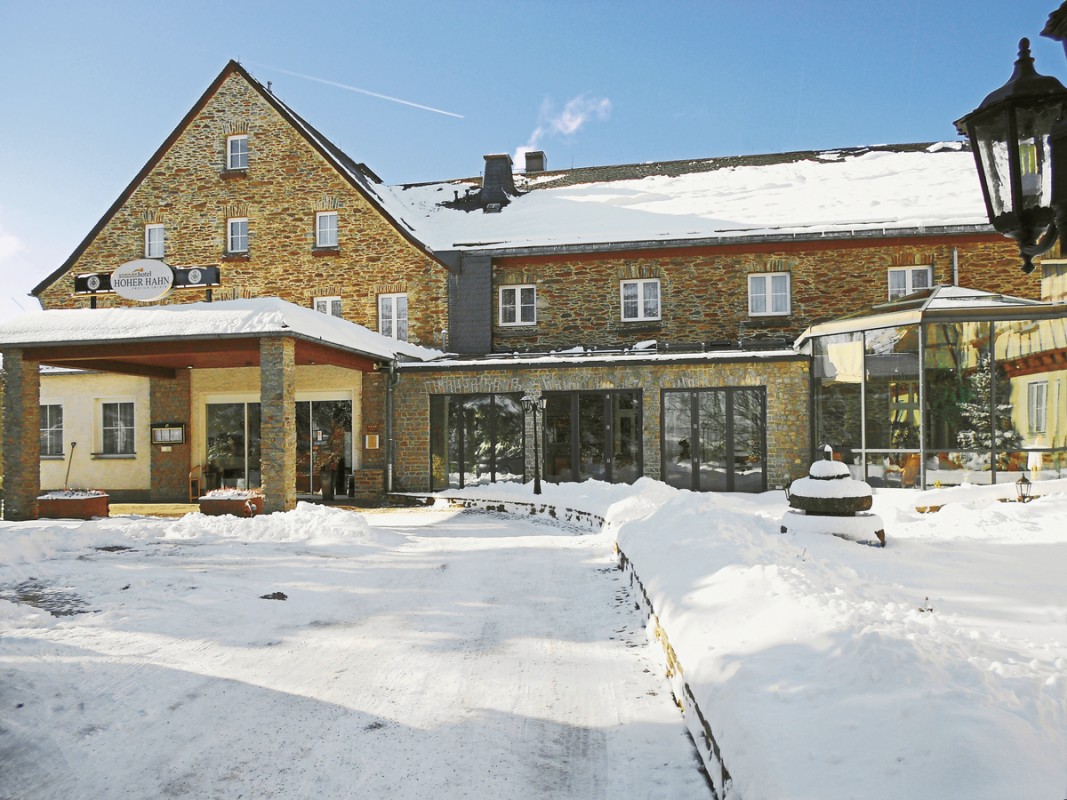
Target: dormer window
point(237, 152)
point(153, 241)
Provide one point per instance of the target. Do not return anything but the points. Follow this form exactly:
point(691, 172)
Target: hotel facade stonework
point(349, 338)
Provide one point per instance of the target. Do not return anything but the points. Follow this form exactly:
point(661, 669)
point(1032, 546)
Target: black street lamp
point(1018, 135)
point(531, 405)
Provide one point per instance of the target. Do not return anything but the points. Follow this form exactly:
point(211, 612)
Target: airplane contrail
point(361, 91)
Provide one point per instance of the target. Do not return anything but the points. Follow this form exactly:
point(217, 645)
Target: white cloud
point(10, 246)
point(566, 122)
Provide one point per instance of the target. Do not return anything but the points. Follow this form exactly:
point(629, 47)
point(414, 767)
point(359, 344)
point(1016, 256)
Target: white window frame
point(329, 305)
point(237, 152)
point(237, 242)
point(512, 301)
point(390, 323)
point(909, 280)
point(1037, 406)
point(154, 240)
point(325, 233)
point(126, 436)
point(770, 294)
point(644, 313)
point(49, 427)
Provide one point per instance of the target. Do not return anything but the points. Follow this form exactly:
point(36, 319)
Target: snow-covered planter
point(238, 502)
point(831, 501)
point(73, 504)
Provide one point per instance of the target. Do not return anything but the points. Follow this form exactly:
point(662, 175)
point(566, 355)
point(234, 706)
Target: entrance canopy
point(158, 340)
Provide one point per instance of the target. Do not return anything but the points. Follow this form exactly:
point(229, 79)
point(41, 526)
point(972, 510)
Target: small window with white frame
point(393, 316)
point(116, 428)
point(237, 152)
point(237, 235)
point(328, 305)
point(518, 305)
point(51, 430)
point(908, 280)
point(153, 240)
point(640, 299)
point(769, 294)
point(326, 229)
point(1037, 406)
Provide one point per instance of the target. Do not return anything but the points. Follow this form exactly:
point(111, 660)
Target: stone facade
point(189, 190)
point(785, 379)
point(278, 426)
point(704, 291)
point(170, 463)
point(22, 438)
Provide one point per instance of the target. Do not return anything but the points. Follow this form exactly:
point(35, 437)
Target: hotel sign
point(146, 279)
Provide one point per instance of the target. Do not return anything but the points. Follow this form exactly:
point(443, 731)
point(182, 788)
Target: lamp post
point(531, 405)
point(1023, 489)
point(1018, 135)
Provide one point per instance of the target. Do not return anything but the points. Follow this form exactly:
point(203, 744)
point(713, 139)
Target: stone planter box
point(248, 506)
point(72, 506)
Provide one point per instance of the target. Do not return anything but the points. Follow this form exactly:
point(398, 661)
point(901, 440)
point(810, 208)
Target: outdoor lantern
point(531, 405)
point(1023, 487)
point(1015, 148)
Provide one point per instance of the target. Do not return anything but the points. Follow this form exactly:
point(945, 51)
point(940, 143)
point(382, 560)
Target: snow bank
point(933, 668)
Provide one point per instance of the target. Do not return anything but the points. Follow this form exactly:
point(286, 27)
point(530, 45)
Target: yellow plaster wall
point(80, 394)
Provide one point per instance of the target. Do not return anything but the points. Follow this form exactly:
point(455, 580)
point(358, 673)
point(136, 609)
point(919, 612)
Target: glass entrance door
point(714, 440)
point(592, 435)
point(233, 445)
point(323, 444)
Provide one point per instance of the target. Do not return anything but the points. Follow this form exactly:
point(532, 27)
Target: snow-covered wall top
point(228, 318)
point(882, 188)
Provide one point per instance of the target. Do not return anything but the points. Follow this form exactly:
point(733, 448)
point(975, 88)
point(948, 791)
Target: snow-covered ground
point(430, 653)
point(414, 655)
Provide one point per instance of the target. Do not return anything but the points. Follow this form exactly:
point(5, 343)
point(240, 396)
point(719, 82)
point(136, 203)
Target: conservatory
point(943, 387)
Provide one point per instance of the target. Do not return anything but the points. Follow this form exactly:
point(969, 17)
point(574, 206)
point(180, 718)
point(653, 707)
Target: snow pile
point(932, 668)
point(308, 522)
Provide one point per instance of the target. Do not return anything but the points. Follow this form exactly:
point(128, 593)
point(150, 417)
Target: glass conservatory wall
point(837, 381)
point(958, 391)
point(994, 394)
point(1031, 370)
point(892, 406)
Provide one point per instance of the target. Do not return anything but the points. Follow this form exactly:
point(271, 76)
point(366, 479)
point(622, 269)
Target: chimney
point(536, 161)
point(498, 186)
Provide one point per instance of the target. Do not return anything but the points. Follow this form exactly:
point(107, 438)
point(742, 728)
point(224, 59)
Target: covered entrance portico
point(169, 345)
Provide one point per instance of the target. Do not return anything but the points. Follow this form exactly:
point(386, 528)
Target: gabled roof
point(361, 178)
point(883, 191)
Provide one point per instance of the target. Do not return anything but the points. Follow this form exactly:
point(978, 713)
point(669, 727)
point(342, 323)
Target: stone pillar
point(170, 464)
point(22, 436)
point(277, 379)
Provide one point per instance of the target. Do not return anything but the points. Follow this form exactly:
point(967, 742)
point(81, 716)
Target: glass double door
point(592, 435)
point(714, 440)
point(323, 444)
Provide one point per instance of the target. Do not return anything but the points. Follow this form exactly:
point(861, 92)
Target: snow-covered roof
point(938, 302)
point(860, 191)
point(261, 316)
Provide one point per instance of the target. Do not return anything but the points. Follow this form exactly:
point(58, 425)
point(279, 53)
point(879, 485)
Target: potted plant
point(238, 502)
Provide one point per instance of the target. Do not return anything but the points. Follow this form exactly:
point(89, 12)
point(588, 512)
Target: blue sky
point(92, 89)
